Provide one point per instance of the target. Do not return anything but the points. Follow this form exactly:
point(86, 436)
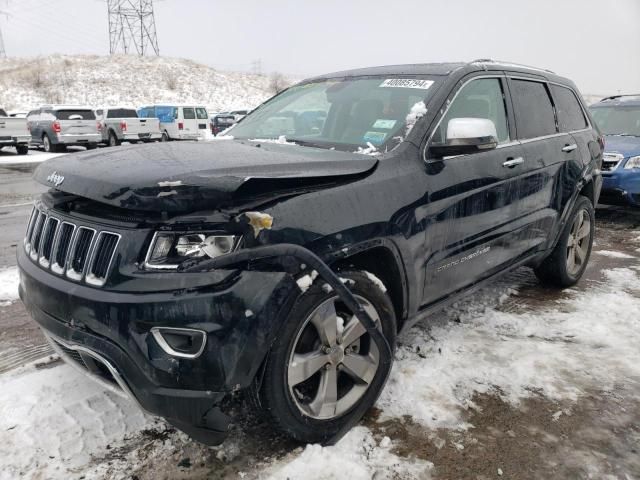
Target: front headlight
point(633, 162)
point(168, 249)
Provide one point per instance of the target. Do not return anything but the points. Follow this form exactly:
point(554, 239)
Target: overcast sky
point(594, 42)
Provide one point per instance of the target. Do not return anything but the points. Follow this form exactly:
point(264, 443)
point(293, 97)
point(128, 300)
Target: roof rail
point(506, 64)
point(615, 97)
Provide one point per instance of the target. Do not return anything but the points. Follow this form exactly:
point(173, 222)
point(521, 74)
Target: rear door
point(189, 120)
point(203, 120)
point(473, 198)
point(77, 121)
point(546, 183)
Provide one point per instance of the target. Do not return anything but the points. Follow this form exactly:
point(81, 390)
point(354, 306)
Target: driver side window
point(482, 98)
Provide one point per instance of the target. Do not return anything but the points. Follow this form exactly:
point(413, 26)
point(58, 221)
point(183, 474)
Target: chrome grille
point(79, 252)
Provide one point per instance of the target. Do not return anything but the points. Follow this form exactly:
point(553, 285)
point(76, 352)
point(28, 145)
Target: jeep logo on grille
point(56, 179)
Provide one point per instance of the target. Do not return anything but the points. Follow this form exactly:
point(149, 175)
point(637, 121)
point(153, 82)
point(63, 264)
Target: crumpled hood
point(184, 176)
point(627, 146)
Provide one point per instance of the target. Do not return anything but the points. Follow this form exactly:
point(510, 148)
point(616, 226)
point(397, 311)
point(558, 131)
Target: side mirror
point(465, 136)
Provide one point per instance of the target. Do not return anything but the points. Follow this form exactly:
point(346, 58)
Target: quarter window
point(482, 98)
point(570, 114)
point(534, 111)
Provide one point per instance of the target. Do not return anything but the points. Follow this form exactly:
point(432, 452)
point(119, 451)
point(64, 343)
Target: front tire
point(568, 261)
point(324, 371)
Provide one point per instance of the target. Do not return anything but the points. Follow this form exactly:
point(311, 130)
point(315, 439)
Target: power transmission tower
point(132, 27)
point(3, 52)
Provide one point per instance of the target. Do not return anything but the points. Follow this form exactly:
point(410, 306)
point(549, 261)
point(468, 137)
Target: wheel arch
point(382, 259)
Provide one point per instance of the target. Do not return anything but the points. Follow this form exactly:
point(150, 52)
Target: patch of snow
point(378, 283)
point(306, 281)
point(52, 422)
point(613, 254)
point(9, 280)
point(31, 157)
point(281, 140)
point(357, 456)
point(588, 340)
point(248, 313)
point(340, 325)
point(417, 111)
point(371, 150)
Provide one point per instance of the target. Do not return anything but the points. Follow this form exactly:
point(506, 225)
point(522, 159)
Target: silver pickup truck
point(14, 133)
point(122, 124)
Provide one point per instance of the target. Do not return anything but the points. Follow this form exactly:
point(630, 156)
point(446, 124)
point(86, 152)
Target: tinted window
point(618, 120)
point(122, 113)
point(479, 99)
point(83, 114)
point(189, 113)
point(534, 112)
point(202, 113)
point(570, 114)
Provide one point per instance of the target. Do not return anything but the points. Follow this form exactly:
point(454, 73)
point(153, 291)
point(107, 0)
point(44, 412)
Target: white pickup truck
point(14, 133)
point(121, 124)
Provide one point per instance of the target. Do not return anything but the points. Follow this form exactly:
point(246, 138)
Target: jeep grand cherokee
point(283, 261)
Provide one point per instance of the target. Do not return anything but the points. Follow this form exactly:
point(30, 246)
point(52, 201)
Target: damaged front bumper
point(108, 334)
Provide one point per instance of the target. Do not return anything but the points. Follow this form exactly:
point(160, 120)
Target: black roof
point(444, 69)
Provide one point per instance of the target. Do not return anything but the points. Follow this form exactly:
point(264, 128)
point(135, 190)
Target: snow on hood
point(182, 176)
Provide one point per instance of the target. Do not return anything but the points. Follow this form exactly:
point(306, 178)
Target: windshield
point(343, 114)
point(618, 120)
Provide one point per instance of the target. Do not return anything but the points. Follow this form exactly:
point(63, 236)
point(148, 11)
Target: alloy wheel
point(578, 242)
point(333, 360)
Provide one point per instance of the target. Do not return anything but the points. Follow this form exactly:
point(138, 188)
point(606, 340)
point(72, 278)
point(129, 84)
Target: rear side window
point(570, 114)
point(122, 113)
point(534, 112)
point(76, 114)
point(189, 113)
point(202, 113)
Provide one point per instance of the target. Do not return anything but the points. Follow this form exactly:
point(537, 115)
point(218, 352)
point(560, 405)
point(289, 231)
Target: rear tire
point(568, 261)
point(22, 149)
point(165, 137)
point(113, 140)
point(48, 146)
point(340, 379)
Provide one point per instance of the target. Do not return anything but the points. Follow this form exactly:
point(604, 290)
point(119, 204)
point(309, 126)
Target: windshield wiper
point(307, 143)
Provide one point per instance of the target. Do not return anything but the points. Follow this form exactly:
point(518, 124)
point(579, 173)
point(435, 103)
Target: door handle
point(512, 162)
point(569, 148)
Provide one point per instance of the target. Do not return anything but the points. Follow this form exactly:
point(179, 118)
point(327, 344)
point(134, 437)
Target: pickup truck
point(14, 133)
point(122, 124)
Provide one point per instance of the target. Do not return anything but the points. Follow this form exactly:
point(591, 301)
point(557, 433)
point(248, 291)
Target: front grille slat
point(102, 257)
point(80, 252)
point(77, 251)
point(50, 231)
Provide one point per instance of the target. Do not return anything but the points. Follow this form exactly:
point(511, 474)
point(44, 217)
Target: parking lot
point(515, 381)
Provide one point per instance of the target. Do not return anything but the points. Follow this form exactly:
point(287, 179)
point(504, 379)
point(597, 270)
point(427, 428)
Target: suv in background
point(220, 122)
point(619, 119)
point(284, 260)
point(179, 122)
point(55, 127)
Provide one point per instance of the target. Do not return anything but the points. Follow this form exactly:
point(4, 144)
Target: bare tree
point(277, 83)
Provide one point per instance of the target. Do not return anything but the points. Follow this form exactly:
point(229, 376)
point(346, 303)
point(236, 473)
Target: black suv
point(282, 261)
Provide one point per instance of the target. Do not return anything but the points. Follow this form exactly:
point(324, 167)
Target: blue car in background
point(619, 120)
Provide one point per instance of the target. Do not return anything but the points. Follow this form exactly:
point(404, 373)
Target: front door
point(473, 198)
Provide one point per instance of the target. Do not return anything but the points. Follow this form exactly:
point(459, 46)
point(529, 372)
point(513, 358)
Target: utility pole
point(132, 27)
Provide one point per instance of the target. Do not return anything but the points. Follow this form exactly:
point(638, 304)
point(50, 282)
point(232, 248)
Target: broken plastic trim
point(314, 262)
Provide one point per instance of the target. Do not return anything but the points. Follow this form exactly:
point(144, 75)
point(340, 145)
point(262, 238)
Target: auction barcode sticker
point(407, 83)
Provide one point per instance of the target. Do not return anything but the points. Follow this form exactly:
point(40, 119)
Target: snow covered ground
point(512, 341)
point(112, 80)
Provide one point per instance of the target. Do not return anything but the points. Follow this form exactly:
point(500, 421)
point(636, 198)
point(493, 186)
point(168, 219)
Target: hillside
point(103, 80)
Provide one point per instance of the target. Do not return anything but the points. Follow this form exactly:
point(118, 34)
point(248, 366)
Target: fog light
point(180, 342)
